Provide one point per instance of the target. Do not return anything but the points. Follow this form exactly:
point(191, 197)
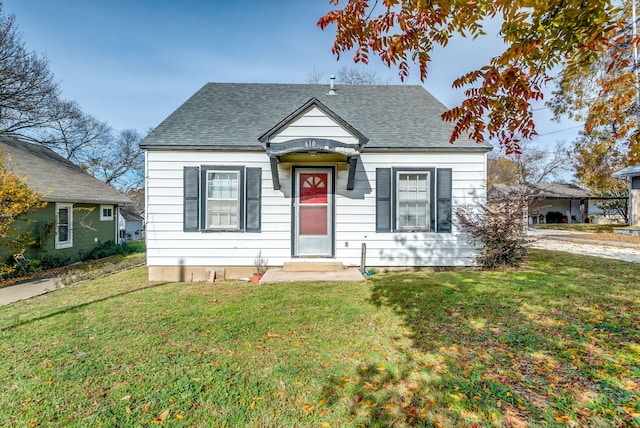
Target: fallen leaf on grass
point(126, 397)
point(160, 419)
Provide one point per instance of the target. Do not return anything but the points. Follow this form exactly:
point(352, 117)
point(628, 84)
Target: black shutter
point(444, 199)
point(383, 199)
point(254, 193)
point(191, 199)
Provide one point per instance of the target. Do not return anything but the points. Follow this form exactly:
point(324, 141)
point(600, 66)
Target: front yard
point(556, 342)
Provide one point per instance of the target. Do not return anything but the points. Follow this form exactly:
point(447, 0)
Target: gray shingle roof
point(630, 171)
point(235, 115)
point(54, 177)
point(542, 190)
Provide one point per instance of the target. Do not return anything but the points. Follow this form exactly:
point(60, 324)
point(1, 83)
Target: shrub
point(500, 225)
point(51, 261)
point(106, 249)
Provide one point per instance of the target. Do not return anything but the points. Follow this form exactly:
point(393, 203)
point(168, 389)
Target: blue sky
point(131, 63)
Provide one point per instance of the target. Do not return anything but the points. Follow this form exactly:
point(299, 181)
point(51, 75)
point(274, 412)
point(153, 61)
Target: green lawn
point(556, 342)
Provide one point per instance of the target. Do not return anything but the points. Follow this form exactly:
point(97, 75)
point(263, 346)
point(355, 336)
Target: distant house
point(131, 223)
point(551, 202)
point(632, 175)
point(307, 173)
point(81, 212)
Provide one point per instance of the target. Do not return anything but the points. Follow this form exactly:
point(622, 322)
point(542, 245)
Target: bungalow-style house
point(550, 202)
point(81, 211)
point(307, 173)
point(632, 175)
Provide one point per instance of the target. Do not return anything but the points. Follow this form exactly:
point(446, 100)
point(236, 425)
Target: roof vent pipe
point(332, 82)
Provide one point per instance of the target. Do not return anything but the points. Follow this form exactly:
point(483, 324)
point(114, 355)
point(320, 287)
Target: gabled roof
point(313, 102)
point(130, 213)
point(228, 116)
point(631, 171)
point(57, 179)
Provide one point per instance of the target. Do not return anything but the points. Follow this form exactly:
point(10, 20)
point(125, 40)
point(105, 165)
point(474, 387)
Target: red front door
point(314, 220)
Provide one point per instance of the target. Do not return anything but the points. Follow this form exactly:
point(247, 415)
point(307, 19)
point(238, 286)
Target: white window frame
point(427, 201)
point(104, 217)
point(208, 200)
point(69, 242)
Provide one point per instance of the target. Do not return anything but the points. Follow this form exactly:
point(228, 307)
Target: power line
point(559, 130)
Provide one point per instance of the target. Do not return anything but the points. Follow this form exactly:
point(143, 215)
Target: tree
point(16, 200)
point(72, 133)
point(538, 35)
point(120, 163)
point(28, 93)
point(596, 157)
point(348, 76)
point(530, 166)
point(604, 92)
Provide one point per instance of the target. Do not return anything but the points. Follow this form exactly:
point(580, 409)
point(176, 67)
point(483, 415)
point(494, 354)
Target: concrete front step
point(312, 267)
point(274, 275)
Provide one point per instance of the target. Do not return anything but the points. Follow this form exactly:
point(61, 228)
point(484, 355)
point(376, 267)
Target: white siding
point(168, 245)
point(314, 124)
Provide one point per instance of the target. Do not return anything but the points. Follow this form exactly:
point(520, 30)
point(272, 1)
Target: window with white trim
point(412, 201)
point(64, 226)
point(106, 212)
point(223, 204)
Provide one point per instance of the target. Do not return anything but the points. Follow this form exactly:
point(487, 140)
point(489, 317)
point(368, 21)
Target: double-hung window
point(223, 200)
point(64, 226)
point(413, 199)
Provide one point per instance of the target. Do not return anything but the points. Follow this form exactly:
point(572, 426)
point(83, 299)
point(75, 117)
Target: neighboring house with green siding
point(81, 211)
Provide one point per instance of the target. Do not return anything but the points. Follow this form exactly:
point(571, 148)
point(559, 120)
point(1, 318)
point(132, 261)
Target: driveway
point(571, 242)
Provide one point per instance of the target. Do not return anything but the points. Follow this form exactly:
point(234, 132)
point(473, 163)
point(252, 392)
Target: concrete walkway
point(26, 289)
point(274, 275)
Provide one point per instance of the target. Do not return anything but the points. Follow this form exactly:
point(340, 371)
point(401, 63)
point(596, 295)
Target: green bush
point(51, 261)
point(106, 249)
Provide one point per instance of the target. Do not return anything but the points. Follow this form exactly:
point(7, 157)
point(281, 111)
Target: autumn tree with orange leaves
point(604, 95)
point(16, 200)
point(539, 36)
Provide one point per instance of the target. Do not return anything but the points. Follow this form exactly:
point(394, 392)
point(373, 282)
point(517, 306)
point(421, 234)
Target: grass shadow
point(81, 306)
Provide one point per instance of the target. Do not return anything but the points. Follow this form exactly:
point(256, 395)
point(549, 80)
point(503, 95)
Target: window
point(222, 199)
point(64, 226)
point(106, 212)
point(222, 203)
point(413, 199)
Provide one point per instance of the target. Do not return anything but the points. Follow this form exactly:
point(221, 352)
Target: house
point(632, 175)
point(81, 212)
point(307, 173)
point(550, 202)
point(131, 223)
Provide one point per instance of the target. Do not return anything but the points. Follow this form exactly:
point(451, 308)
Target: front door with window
point(313, 212)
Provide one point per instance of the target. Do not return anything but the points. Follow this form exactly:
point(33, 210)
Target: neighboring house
point(632, 175)
point(550, 202)
point(307, 173)
point(131, 223)
point(81, 212)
